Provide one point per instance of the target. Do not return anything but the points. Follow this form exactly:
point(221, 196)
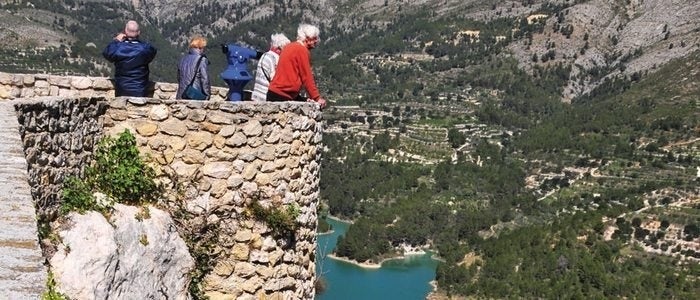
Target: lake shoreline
point(340, 220)
point(364, 265)
point(325, 233)
point(370, 265)
point(409, 275)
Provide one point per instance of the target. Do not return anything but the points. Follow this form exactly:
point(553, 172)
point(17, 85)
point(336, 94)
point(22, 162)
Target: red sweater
point(294, 71)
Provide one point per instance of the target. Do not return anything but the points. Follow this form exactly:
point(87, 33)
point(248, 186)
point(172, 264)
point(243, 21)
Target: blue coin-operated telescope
point(236, 74)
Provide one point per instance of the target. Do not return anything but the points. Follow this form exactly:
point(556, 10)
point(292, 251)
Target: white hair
point(279, 40)
point(307, 31)
point(132, 29)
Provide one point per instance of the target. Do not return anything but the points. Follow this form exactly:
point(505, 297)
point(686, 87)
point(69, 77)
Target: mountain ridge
point(595, 39)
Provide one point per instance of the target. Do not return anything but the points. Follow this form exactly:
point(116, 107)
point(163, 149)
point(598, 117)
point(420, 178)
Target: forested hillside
point(544, 149)
point(543, 200)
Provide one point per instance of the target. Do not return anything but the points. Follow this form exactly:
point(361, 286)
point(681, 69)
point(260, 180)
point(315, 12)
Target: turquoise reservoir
point(403, 279)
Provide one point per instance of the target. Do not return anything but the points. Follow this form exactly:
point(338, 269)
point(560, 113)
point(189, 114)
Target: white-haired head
point(131, 30)
point(307, 31)
point(279, 40)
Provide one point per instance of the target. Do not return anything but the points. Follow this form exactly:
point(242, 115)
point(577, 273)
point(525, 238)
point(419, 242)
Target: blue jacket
point(186, 71)
point(131, 58)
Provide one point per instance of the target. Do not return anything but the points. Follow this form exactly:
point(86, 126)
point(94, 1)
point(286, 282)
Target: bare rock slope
point(612, 38)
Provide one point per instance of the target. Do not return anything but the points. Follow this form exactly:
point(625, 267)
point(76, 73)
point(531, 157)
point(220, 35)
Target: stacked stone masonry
point(219, 156)
point(59, 136)
point(235, 153)
point(14, 86)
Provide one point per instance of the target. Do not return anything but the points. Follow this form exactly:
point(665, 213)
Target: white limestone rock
point(123, 258)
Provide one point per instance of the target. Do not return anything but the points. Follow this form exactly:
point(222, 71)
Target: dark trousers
point(274, 97)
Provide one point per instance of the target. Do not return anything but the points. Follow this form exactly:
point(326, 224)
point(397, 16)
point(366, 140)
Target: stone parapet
point(215, 158)
point(14, 86)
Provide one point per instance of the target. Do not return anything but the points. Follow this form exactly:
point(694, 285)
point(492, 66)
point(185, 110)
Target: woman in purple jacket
point(131, 58)
point(187, 69)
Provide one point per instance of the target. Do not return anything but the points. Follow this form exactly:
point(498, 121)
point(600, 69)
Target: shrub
point(282, 220)
point(76, 196)
point(118, 171)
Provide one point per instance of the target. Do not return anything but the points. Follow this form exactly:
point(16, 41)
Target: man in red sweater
point(294, 69)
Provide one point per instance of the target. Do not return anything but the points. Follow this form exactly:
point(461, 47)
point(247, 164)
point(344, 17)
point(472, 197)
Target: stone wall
point(230, 154)
point(216, 158)
point(14, 86)
point(58, 137)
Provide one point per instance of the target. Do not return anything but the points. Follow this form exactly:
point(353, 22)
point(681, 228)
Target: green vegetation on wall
point(118, 172)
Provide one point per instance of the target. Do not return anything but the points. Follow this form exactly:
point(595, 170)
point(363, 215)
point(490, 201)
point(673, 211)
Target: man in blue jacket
point(131, 58)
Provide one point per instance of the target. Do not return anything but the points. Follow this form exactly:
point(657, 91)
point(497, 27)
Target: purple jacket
point(186, 71)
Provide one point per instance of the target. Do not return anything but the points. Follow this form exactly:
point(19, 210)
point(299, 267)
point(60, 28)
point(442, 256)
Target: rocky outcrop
point(135, 253)
point(613, 39)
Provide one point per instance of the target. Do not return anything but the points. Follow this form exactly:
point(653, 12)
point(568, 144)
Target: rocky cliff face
point(123, 257)
point(611, 38)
